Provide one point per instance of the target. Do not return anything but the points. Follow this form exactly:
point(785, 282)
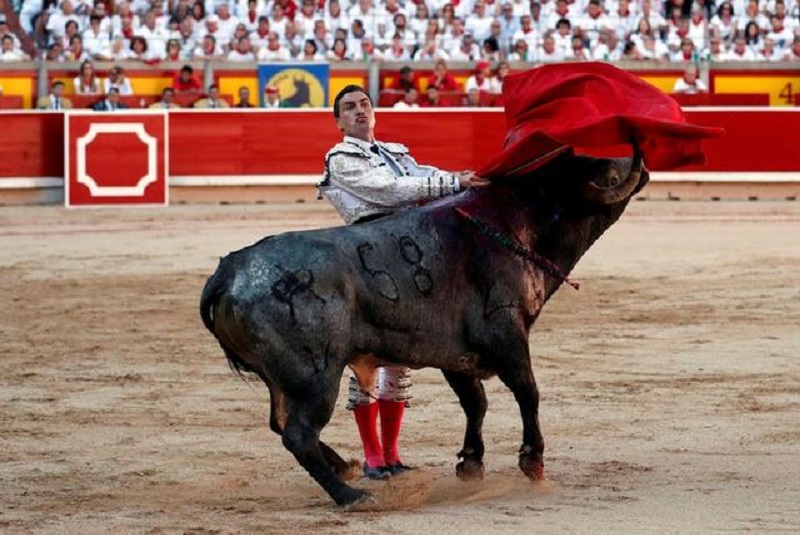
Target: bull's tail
point(215, 289)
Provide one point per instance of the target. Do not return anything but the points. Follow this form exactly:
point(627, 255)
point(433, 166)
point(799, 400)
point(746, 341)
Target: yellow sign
point(299, 88)
point(782, 90)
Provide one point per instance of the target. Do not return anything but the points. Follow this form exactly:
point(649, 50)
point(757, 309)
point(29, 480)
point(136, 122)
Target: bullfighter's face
point(356, 116)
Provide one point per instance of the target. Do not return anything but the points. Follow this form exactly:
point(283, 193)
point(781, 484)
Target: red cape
point(591, 108)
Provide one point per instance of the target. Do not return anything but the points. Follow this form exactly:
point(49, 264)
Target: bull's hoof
point(532, 466)
point(352, 498)
point(470, 470)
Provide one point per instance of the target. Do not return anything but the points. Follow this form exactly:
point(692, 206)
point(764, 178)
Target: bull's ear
point(613, 180)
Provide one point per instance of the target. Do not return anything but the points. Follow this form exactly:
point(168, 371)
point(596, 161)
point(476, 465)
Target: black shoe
point(399, 468)
point(379, 472)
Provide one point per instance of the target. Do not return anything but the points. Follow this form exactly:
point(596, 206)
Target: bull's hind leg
point(306, 416)
point(473, 400)
point(277, 421)
point(520, 380)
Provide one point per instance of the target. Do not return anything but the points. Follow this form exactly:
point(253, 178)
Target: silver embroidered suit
point(364, 179)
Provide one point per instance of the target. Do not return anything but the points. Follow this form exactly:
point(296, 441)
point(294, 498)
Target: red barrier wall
point(282, 142)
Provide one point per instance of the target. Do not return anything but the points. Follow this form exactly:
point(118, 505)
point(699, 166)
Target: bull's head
point(618, 181)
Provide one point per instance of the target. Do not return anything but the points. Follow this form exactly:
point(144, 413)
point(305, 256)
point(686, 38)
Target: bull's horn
point(617, 190)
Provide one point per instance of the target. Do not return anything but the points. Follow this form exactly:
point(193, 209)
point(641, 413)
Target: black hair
point(352, 88)
point(187, 68)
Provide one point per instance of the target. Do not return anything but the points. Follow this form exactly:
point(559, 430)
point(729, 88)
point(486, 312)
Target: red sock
point(367, 422)
point(391, 421)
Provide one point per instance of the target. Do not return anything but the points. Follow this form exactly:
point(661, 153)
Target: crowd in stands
point(409, 30)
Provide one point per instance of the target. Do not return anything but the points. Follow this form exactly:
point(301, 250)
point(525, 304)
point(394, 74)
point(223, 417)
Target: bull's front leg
point(518, 377)
point(473, 400)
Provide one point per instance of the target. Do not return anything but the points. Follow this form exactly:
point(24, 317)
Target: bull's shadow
point(455, 285)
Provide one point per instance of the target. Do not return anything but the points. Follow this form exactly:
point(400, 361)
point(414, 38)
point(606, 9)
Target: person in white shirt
point(95, 40)
point(549, 52)
point(242, 52)
point(9, 54)
point(690, 83)
point(117, 80)
point(793, 53)
point(528, 33)
point(740, 51)
point(274, 51)
point(724, 22)
point(431, 52)
point(409, 100)
point(482, 79)
point(769, 52)
point(227, 23)
point(594, 21)
point(479, 22)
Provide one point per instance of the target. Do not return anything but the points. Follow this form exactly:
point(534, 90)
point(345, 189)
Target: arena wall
point(263, 155)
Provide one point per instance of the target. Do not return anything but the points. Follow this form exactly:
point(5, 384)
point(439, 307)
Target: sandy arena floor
point(670, 386)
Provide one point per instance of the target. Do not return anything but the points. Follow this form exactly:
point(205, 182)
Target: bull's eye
point(613, 177)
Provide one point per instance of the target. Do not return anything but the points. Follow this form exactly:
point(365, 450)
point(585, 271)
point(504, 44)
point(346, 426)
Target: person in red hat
point(482, 79)
point(272, 97)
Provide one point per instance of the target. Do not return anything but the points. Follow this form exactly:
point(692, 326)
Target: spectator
point(409, 100)
point(273, 98)
point(334, 17)
point(563, 36)
point(208, 49)
point(138, 49)
point(779, 33)
point(654, 49)
point(111, 102)
point(55, 100)
point(431, 99)
point(154, 37)
point(86, 83)
point(174, 51)
point(244, 98)
point(322, 37)
point(167, 100)
point(521, 52)
point(368, 50)
point(273, 51)
point(338, 52)
point(500, 74)
point(793, 54)
point(474, 98)
point(549, 52)
point(398, 50)
point(117, 80)
point(310, 52)
point(242, 52)
point(724, 22)
point(55, 52)
point(698, 27)
point(441, 79)
point(9, 54)
point(509, 23)
point(277, 21)
point(630, 52)
point(251, 18)
point(406, 79)
point(479, 22)
point(57, 21)
point(76, 52)
point(227, 23)
point(491, 50)
point(690, 83)
point(185, 81)
point(212, 100)
point(715, 52)
point(467, 51)
point(594, 21)
point(95, 40)
point(4, 30)
point(740, 51)
point(623, 20)
point(578, 50)
point(527, 33)
point(430, 52)
point(686, 52)
point(260, 37)
point(292, 41)
point(751, 14)
point(769, 52)
point(481, 79)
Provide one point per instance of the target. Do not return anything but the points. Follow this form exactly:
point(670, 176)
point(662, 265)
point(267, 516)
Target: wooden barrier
point(286, 148)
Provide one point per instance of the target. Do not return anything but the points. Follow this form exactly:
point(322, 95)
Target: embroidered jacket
point(365, 179)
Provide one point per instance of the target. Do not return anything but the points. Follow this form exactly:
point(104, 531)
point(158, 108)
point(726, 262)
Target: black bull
point(424, 288)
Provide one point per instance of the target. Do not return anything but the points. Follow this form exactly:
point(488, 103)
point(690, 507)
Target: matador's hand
point(468, 179)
